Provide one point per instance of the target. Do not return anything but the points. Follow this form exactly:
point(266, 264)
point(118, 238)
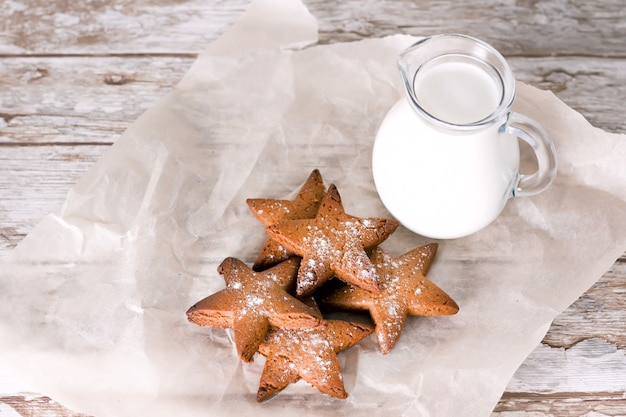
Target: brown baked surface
point(405, 290)
point(333, 243)
point(310, 354)
point(251, 302)
point(271, 211)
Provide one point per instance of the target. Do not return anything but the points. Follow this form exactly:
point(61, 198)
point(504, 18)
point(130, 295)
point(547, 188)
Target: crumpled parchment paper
point(94, 299)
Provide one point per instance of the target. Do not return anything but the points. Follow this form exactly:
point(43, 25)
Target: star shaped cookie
point(405, 291)
point(310, 354)
point(271, 211)
point(251, 302)
point(333, 243)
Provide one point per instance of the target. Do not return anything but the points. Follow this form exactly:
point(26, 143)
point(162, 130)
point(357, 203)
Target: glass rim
point(437, 46)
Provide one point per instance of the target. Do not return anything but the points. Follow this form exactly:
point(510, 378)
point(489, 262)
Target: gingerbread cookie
point(405, 291)
point(271, 211)
point(251, 302)
point(307, 353)
point(333, 243)
point(292, 334)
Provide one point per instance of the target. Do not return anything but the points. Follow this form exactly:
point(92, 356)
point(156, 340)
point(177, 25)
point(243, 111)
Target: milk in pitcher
point(437, 182)
point(457, 92)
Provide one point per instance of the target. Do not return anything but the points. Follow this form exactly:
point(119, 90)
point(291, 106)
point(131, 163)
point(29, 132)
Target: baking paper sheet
point(94, 299)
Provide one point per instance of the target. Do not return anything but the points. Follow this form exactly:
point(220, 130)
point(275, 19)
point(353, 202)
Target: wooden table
point(75, 75)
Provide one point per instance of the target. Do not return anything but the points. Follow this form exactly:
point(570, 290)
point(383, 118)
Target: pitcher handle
point(540, 141)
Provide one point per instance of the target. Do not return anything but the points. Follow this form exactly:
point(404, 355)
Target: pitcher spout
point(408, 63)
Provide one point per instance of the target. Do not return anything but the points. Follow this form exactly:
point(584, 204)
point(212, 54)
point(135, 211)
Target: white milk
point(439, 182)
point(456, 92)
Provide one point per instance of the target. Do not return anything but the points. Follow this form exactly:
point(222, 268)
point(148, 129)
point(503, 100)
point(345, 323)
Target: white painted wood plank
point(80, 99)
point(113, 27)
point(34, 181)
point(598, 314)
point(594, 87)
point(516, 27)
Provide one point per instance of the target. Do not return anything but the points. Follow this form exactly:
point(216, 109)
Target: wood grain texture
point(593, 87)
point(34, 406)
point(598, 313)
point(515, 27)
point(75, 75)
point(41, 102)
point(580, 367)
point(570, 404)
point(120, 27)
point(80, 99)
point(37, 173)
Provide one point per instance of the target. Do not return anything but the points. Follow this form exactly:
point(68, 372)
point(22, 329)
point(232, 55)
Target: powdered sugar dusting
point(338, 247)
point(254, 300)
point(309, 351)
